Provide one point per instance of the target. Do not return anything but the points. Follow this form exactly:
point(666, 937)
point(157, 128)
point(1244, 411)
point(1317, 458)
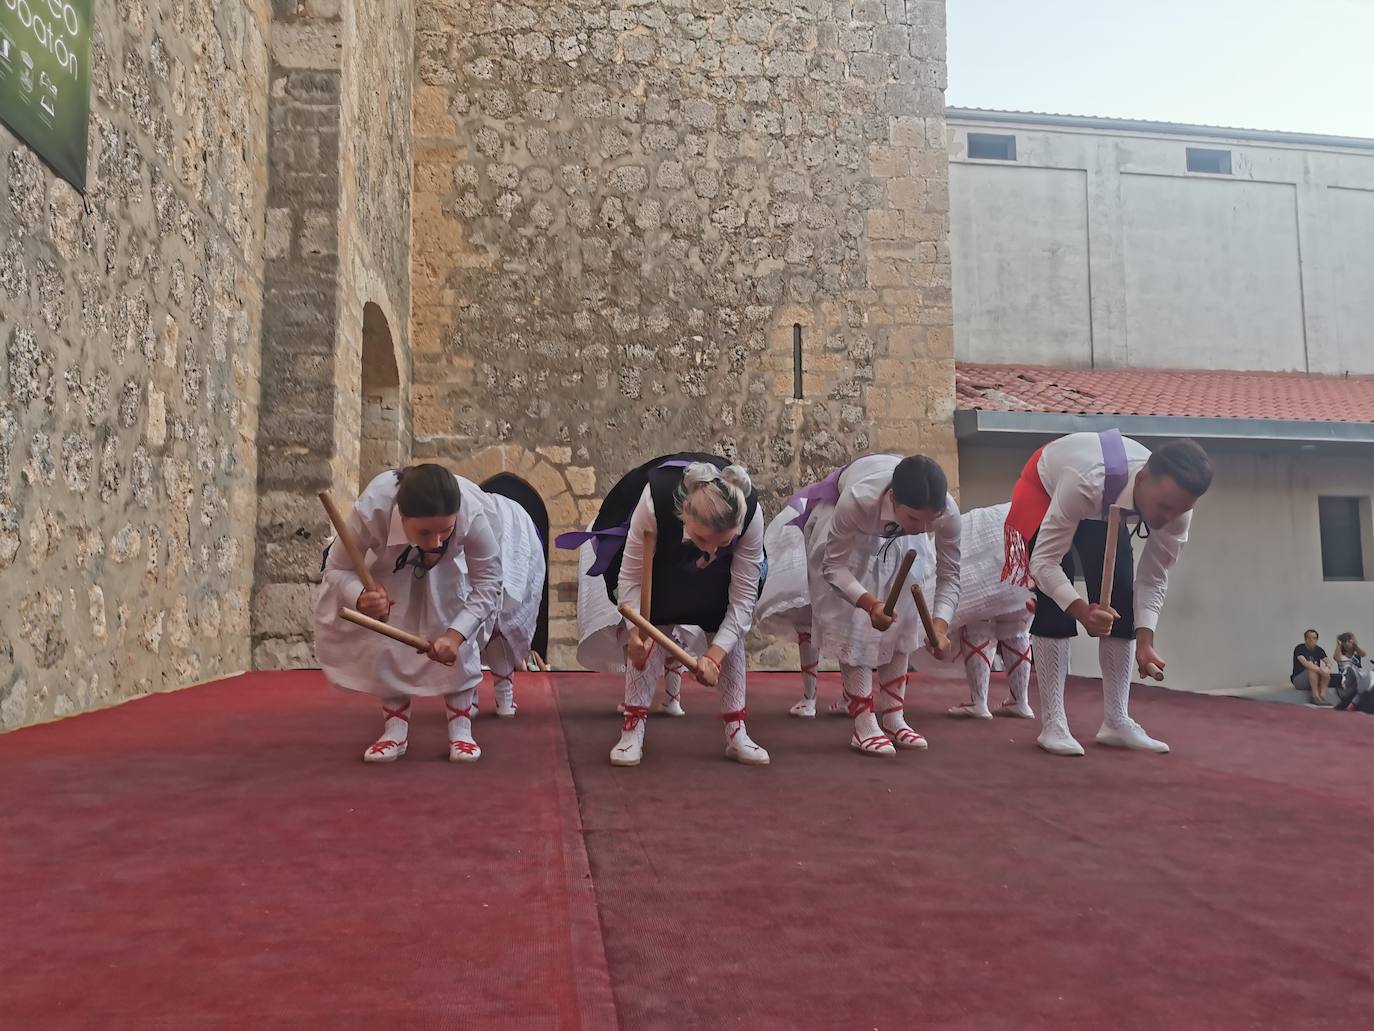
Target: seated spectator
point(1311, 668)
point(1354, 683)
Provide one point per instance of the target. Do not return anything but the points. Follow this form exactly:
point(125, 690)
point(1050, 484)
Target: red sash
point(1030, 501)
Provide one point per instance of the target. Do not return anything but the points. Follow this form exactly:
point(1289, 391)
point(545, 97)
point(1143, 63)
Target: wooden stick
point(663, 640)
point(385, 629)
point(1154, 672)
point(1104, 597)
point(539, 661)
point(897, 584)
point(923, 610)
point(355, 554)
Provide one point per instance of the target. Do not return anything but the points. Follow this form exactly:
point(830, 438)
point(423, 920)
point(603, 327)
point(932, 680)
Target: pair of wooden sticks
point(355, 556)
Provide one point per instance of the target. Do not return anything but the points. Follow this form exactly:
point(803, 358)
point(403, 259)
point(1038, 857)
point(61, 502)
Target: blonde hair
point(715, 497)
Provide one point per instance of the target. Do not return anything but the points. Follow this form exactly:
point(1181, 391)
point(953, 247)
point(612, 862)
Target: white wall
point(1250, 580)
point(1097, 247)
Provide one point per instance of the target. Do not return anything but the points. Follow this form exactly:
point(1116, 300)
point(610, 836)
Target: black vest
point(682, 593)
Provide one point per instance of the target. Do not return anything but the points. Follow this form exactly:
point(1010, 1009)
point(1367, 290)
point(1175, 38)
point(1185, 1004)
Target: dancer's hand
point(1097, 620)
point(707, 671)
point(444, 648)
point(375, 604)
point(940, 646)
point(639, 647)
point(708, 667)
point(1150, 663)
point(876, 616)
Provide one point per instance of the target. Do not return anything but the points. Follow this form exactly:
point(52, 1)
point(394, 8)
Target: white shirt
point(1073, 474)
point(745, 562)
point(376, 525)
point(865, 507)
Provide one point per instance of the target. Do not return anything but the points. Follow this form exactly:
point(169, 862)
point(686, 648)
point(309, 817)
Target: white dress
point(461, 592)
point(815, 575)
point(522, 574)
point(989, 607)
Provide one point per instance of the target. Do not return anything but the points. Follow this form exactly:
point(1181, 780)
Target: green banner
point(45, 79)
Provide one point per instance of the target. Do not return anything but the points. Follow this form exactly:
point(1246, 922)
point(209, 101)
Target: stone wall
point(624, 213)
point(130, 380)
point(338, 257)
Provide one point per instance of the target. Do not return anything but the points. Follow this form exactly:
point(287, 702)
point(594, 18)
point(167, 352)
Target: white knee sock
point(858, 695)
point(892, 692)
point(1117, 658)
point(810, 663)
point(1016, 655)
point(1051, 670)
point(978, 670)
point(672, 682)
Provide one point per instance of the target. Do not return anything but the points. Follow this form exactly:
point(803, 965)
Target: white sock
point(977, 671)
point(1117, 657)
point(1018, 668)
point(1051, 670)
point(395, 727)
point(672, 683)
point(810, 663)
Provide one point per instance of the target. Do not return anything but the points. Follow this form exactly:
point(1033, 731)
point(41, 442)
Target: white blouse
point(1072, 472)
point(473, 559)
point(745, 562)
point(865, 507)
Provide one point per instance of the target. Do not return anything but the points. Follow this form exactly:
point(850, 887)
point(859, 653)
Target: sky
point(1299, 65)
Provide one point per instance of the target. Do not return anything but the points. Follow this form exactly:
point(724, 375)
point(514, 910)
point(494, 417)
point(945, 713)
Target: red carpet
point(219, 858)
point(983, 884)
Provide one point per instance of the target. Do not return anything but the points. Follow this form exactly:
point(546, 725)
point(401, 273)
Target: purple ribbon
point(1116, 471)
point(814, 494)
point(607, 543)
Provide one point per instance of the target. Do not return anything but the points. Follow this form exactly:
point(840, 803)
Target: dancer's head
point(919, 493)
point(428, 499)
point(712, 503)
point(1176, 475)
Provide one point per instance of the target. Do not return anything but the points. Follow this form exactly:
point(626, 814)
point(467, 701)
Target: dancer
point(1059, 508)
point(993, 619)
point(834, 553)
point(686, 530)
point(509, 632)
point(433, 550)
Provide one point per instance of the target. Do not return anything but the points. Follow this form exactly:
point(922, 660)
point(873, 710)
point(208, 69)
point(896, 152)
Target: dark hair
point(919, 482)
point(427, 492)
point(1309, 630)
point(1184, 462)
point(1345, 639)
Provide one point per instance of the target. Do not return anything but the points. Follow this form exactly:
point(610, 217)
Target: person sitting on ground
point(1352, 679)
point(1311, 668)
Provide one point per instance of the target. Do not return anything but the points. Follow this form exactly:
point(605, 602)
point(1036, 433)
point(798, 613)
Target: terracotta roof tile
point(1168, 392)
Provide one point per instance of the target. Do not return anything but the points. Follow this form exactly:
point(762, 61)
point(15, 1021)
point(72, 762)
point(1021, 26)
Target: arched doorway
point(380, 446)
point(528, 498)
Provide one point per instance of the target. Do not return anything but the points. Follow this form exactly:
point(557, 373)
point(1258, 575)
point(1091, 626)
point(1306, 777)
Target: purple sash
point(814, 494)
point(1116, 471)
point(607, 543)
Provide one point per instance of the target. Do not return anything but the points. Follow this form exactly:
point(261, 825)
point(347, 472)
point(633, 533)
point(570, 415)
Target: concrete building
point(1179, 280)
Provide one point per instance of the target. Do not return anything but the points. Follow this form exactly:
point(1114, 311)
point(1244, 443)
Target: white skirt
point(522, 575)
point(797, 595)
point(600, 630)
point(360, 660)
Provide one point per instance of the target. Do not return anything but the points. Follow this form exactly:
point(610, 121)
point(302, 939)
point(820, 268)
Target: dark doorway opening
point(528, 498)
